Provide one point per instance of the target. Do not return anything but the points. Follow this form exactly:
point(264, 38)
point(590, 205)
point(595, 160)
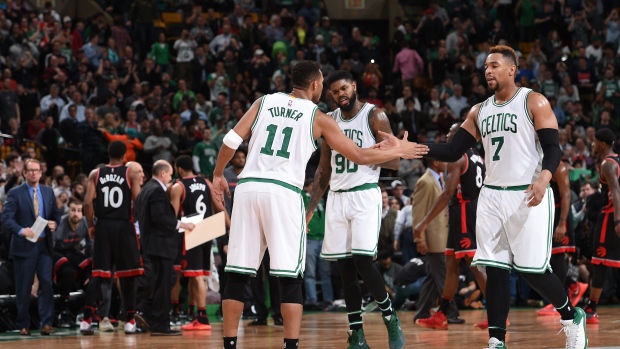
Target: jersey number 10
point(112, 197)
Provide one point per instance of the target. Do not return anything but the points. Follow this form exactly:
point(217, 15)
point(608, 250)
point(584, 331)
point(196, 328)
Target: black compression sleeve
point(550, 143)
point(451, 152)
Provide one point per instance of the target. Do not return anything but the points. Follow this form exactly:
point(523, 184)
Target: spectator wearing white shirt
point(185, 54)
point(221, 42)
point(457, 102)
point(595, 50)
point(52, 100)
point(76, 99)
point(403, 233)
point(401, 104)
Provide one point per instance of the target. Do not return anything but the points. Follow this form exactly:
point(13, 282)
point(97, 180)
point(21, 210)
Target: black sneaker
point(65, 320)
point(278, 320)
point(175, 319)
point(257, 322)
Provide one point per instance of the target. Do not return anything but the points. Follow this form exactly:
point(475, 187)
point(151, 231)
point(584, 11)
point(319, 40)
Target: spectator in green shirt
point(316, 231)
point(205, 155)
point(160, 53)
point(182, 92)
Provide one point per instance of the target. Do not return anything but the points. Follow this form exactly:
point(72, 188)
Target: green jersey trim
point(509, 188)
point(527, 112)
point(508, 102)
point(368, 124)
point(353, 118)
point(262, 100)
point(366, 186)
point(272, 181)
point(312, 140)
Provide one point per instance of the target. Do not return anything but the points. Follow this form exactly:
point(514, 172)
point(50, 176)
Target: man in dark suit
point(23, 205)
point(158, 229)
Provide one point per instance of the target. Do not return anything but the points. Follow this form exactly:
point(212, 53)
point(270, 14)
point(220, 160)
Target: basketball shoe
point(575, 330)
point(357, 340)
point(437, 321)
point(395, 333)
point(495, 343)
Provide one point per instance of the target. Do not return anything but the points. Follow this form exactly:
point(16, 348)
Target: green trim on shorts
point(335, 256)
point(362, 187)
point(302, 250)
point(510, 188)
point(262, 99)
point(490, 263)
point(546, 266)
point(272, 181)
point(239, 270)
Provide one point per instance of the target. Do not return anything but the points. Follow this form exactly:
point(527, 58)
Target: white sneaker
point(575, 330)
point(86, 328)
point(130, 328)
point(105, 325)
point(495, 343)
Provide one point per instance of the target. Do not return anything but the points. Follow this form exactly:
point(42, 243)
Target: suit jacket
point(426, 192)
point(386, 231)
point(158, 233)
point(18, 213)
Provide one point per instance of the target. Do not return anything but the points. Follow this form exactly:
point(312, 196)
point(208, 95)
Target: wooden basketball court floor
point(328, 330)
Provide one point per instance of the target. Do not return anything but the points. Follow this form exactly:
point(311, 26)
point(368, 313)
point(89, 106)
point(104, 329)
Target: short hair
point(159, 167)
point(117, 149)
point(184, 162)
point(304, 73)
point(74, 201)
point(60, 177)
point(507, 52)
point(28, 161)
point(383, 255)
point(605, 135)
point(10, 158)
point(338, 75)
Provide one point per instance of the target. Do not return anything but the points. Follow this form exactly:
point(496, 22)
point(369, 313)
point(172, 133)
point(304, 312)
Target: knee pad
point(235, 287)
point(291, 290)
point(598, 275)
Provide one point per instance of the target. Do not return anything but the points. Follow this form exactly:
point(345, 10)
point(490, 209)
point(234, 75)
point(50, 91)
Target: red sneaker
point(485, 324)
point(575, 295)
point(196, 326)
point(591, 318)
point(548, 310)
point(437, 321)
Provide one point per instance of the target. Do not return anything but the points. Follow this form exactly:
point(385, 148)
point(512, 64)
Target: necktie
point(441, 180)
point(36, 203)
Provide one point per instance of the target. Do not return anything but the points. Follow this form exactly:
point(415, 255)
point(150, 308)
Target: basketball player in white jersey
point(353, 211)
point(269, 209)
point(519, 133)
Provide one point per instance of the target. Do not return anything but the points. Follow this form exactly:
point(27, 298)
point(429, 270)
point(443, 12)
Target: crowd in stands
point(70, 86)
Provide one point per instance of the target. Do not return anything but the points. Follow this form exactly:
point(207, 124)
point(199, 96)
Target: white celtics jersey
point(345, 173)
point(513, 156)
point(282, 140)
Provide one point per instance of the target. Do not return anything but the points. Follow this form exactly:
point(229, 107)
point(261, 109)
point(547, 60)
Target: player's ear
point(354, 86)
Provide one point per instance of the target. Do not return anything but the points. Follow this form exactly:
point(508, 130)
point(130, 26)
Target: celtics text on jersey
point(513, 155)
point(345, 173)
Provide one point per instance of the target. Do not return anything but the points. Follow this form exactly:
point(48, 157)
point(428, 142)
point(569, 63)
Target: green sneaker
point(357, 340)
point(576, 330)
point(395, 333)
point(495, 343)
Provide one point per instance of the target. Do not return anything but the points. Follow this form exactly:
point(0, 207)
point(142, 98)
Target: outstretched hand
point(220, 185)
point(411, 150)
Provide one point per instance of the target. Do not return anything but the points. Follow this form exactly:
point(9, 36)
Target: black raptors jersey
point(113, 199)
point(471, 178)
point(608, 201)
point(196, 197)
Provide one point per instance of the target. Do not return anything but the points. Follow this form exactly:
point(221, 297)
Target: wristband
point(232, 140)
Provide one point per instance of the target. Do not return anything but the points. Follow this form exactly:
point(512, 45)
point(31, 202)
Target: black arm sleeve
point(550, 143)
point(451, 152)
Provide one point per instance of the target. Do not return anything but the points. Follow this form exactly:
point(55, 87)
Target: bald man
point(158, 242)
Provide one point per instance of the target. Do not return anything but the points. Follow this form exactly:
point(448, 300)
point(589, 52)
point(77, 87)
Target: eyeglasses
point(33, 171)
